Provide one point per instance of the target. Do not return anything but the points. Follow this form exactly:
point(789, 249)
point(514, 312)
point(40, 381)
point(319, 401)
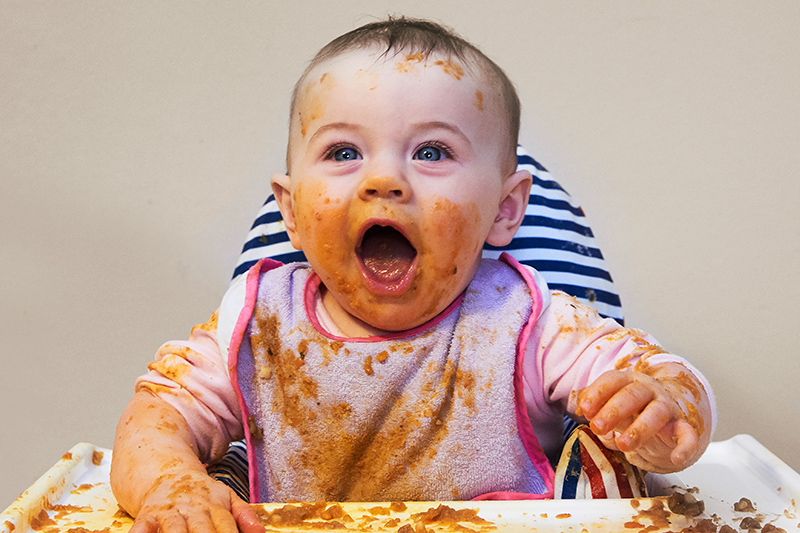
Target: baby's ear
point(283, 196)
point(516, 191)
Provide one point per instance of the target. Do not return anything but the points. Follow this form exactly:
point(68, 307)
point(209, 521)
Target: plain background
point(137, 140)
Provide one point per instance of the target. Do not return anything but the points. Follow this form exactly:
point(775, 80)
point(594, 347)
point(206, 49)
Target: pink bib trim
point(312, 287)
point(251, 293)
point(524, 426)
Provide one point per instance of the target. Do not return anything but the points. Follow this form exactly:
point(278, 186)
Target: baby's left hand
point(636, 414)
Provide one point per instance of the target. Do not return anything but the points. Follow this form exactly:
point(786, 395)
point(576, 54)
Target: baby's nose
point(382, 186)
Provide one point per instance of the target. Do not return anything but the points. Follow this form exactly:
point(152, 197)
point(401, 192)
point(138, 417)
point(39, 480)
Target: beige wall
point(136, 140)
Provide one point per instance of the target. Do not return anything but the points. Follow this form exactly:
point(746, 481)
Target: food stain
point(172, 366)
point(409, 63)
point(41, 521)
point(451, 68)
point(313, 101)
point(210, 325)
point(479, 100)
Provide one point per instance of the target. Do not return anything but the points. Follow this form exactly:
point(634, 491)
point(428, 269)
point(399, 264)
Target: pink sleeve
point(192, 377)
point(571, 345)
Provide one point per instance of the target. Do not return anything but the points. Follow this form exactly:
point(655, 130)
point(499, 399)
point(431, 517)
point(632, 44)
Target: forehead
point(400, 83)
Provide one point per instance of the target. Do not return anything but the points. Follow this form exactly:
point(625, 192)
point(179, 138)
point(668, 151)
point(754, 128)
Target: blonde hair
point(399, 35)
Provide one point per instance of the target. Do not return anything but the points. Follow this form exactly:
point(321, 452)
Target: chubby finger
point(622, 408)
point(245, 516)
point(144, 524)
point(200, 522)
point(651, 420)
point(173, 523)
point(599, 392)
point(223, 520)
point(688, 443)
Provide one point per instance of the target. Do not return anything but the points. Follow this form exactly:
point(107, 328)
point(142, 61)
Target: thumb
point(245, 516)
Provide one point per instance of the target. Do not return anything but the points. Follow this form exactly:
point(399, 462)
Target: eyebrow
point(332, 126)
point(419, 126)
point(437, 124)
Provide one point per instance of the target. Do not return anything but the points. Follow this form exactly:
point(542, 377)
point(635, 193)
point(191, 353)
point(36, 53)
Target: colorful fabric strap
point(588, 470)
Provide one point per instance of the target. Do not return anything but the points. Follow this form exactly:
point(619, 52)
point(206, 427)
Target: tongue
point(386, 254)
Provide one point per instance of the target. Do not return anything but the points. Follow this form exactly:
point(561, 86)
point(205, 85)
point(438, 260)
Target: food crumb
point(41, 521)
point(685, 504)
point(748, 522)
point(97, 457)
point(744, 506)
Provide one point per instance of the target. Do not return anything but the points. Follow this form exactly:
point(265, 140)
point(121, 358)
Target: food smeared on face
point(314, 101)
point(479, 100)
point(450, 68)
point(409, 62)
point(395, 184)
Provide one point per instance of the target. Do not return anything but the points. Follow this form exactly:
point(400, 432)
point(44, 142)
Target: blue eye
point(346, 154)
point(430, 153)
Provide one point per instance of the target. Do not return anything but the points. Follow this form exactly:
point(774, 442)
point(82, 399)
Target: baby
point(397, 364)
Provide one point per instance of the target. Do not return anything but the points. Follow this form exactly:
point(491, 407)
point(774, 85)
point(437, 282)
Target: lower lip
point(393, 288)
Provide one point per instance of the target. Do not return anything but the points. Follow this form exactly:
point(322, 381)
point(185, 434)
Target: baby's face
point(395, 184)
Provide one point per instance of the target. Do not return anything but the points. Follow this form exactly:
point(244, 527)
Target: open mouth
point(387, 258)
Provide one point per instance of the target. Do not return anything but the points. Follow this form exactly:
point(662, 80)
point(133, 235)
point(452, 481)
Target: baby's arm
point(157, 471)
point(158, 478)
point(619, 380)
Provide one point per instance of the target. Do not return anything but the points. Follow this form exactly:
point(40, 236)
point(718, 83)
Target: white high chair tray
point(74, 496)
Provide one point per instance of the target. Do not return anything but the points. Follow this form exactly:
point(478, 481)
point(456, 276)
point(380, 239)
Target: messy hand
point(638, 415)
point(192, 502)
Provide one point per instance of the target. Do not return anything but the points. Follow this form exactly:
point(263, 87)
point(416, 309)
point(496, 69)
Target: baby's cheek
point(455, 235)
point(320, 221)
point(452, 245)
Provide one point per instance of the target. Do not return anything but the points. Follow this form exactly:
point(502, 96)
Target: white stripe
point(570, 278)
point(270, 250)
point(546, 254)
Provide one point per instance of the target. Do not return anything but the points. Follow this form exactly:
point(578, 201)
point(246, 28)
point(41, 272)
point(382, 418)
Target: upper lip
point(387, 223)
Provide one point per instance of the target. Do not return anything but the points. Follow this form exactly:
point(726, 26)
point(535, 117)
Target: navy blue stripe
point(520, 243)
point(572, 472)
point(546, 184)
point(290, 257)
point(266, 239)
point(267, 218)
point(555, 223)
point(562, 205)
point(581, 292)
point(544, 265)
point(528, 160)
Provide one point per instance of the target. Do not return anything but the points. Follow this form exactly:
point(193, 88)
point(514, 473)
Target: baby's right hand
point(192, 502)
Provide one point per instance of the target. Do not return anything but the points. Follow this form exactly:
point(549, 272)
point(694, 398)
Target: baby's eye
point(430, 153)
point(346, 154)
